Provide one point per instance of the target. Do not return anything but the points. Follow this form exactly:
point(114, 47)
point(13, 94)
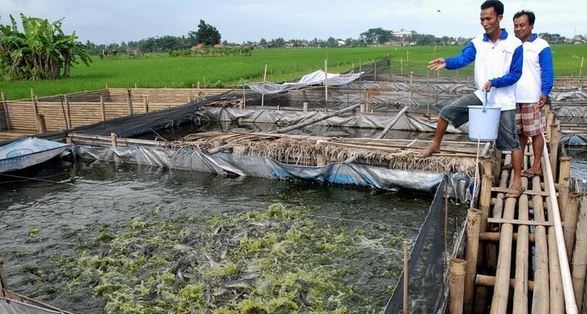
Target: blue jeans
point(457, 113)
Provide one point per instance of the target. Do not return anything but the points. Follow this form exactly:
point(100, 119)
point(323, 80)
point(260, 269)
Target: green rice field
point(282, 65)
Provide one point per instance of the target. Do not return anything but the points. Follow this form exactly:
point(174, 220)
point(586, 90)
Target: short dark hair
point(495, 4)
point(529, 14)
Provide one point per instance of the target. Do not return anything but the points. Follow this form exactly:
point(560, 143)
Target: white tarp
point(314, 78)
point(190, 158)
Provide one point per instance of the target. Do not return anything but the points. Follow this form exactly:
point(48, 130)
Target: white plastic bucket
point(483, 123)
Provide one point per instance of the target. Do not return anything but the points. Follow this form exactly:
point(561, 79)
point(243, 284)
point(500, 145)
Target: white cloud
point(107, 21)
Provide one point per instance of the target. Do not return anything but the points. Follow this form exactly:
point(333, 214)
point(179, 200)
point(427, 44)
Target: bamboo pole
point(64, 115)
point(103, 107)
point(570, 225)
point(563, 187)
point(326, 85)
point(471, 254)
point(520, 304)
point(129, 101)
point(365, 108)
point(497, 168)
point(392, 123)
point(244, 105)
point(556, 292)
point(569, 295)
point(35, 111)
point(502, 277)
point(42, 123)
point(503, 183)
point(485, 199)
point(494, 236)
point(113, 139)
point(406, 279)
point(549, 122)
point(456, 285)
point(580, 255)
point(264, 81)
point(541, 295)
point(306, 123)
point(6, 114)
point(553, 146)
point(488, 167)
point(146, 103)
point(67, 109)
point(489, 281)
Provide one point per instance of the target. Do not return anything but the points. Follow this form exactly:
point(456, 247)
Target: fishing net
point(427, 268)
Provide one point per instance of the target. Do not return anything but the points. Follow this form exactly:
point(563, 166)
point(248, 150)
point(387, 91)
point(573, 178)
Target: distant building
point(197, 47)
point(579, 39)
point(401, 33)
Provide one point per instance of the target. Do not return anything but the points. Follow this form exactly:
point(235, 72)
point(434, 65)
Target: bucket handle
point(485, 103)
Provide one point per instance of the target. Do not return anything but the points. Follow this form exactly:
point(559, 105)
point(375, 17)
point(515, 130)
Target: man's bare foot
point(531, 172)
point(515, 190)
point(429, 152)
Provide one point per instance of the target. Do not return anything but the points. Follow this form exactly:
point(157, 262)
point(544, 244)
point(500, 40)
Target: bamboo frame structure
point(6, 114)
point(580, 256)
point(456, 285)
point(474, 217)
point(520, 302)
point(541, 296)
point(569, 296)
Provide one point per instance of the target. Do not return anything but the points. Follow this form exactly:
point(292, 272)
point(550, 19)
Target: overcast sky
point(108, 21)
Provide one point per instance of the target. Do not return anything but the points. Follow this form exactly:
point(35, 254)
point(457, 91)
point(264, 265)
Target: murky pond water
point(41, 222)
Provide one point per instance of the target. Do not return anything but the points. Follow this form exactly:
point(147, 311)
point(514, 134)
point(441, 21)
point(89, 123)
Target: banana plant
point(42, 50)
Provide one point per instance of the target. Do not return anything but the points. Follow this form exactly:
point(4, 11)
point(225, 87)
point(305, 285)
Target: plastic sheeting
point(314, 78)
point(28, 152)
point(189, 158)
point(408, 122)
point(573, 139)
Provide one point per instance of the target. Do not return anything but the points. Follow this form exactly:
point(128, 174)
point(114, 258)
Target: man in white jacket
point(533, 88)
point(498, 60)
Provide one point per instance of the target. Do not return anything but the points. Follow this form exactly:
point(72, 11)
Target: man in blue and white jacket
point(533, 88)
point(498, 60)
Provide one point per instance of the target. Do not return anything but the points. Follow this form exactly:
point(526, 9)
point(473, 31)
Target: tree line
point(209, 35)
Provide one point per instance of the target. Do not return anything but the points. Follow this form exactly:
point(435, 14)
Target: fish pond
point(103, 237)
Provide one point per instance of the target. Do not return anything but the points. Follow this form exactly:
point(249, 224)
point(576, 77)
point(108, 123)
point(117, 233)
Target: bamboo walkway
point(525, 254)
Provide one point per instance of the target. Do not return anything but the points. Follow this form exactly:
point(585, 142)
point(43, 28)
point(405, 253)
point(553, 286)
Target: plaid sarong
point(530, 120)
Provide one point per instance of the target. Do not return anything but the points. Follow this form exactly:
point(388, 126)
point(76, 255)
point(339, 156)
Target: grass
point(282, 65)
point(567, 60)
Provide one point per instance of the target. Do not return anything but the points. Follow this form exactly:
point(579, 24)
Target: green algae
point(278, 260)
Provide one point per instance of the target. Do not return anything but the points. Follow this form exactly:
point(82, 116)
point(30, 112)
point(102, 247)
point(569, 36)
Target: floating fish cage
point(365, 133)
